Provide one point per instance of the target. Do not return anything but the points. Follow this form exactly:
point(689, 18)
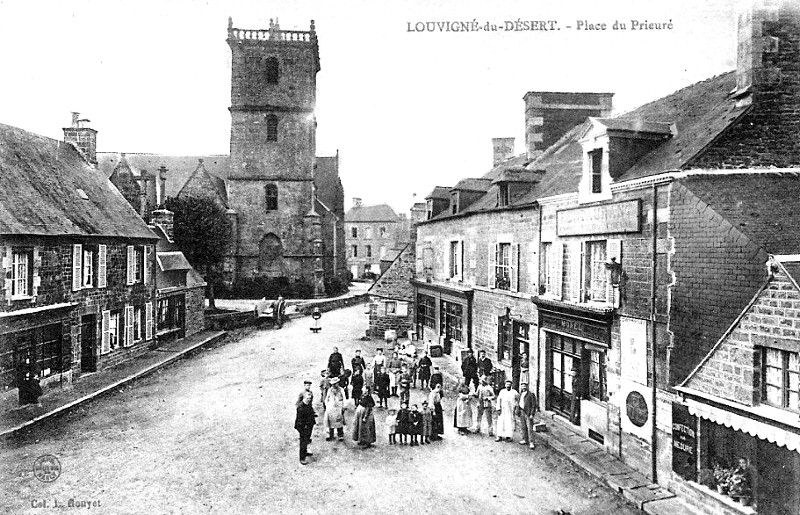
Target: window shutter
point(515, 267)
point(461, 260)
point(36, 280)
point(8, 258)
point(77, 268)
point(490, 279)
point(128, 326)
point(557, 279)
point(576, 262)
point(102, 267)
point(146, 269)
point(402, 309)
point(448, 259)
point(105, 344)
point(130, 264)
point(613, 250)
point(148, 308)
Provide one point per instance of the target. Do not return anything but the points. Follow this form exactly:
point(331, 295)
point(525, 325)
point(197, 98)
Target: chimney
point(502, 149)
point(767, 46)
point(143, 180)
point(162, 177)
point(549, 115)
point(356, 202)
point(165, 219)
point(82, 137)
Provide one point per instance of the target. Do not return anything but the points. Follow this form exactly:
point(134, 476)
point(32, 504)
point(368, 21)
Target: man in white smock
point(507, 403)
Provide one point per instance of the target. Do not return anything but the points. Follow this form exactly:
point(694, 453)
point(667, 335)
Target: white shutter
point(448, 266)
point(148, 308)
point(613, 251)
point(36, 280)
point(514, 267)
point(402, 309)
point(557, 279)
point(102, 266)
point(77, 266)
point(461, 260)
point(128, 326)
point(130, 264)
point(146, 269)
point(105, 344)
point(576, 262)
point(8, 260)
point(490, 279)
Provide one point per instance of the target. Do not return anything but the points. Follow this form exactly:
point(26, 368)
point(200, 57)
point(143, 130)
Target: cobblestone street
point(214, 434)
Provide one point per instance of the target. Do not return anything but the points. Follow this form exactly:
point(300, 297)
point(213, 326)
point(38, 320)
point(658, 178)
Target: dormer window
point(454, 202)
point(503, 197)
point(428, 209)
point(596, 161)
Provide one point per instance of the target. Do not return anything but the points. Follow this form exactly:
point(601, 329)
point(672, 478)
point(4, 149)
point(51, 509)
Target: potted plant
point(739, 484)
point(721, 478)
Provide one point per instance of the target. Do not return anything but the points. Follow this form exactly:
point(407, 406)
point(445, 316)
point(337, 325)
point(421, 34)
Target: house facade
point(371, 233)
point(78, 263)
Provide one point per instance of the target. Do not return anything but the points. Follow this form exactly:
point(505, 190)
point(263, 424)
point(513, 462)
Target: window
point(368, 233)
point(455, 259)
point(426, 310)
point(597, 375)
point(272, 70)
point(271, 197)
point(87, 277)
point(368, 250)
point(137, 324)
point(383, 251)
point(596, 273)
point(50, 361)
point(504, 338)
point(596, 161)
point(354, 250)
point(428, 209)
point(171, 313)
point(545, 278)
point(781, 372)
point(452, 321)
point(21, 278)
point(502, 267)
point(391, 307)
point(354, 232)
point(136, 264)
point(383, 232)
point(503, 198)
point(272, 127)
point(454, 202)
point(114, 329)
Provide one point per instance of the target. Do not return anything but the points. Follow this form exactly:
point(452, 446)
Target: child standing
point(382, 381)
point(403, 423)
point(391, 426)
point(415, 424)
point(405, 385)
point(427, 422)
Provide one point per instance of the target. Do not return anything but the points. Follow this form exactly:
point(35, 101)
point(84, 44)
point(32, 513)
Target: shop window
point(426, 311)
point(452, 321)
point(271, 197)
point(504, 338)
point(272, 127)
point(50, 360)
point(171, 313)
point(21, 273)
point(596, 274)
point(597, 375)
point(781, 373)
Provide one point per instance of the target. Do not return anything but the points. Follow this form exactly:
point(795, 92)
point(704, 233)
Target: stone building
point(642, 238)
point(284, 204)
point(78, 264)
point(371, 234)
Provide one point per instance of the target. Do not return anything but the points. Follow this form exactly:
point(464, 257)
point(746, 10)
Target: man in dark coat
point(304, 423)
point(335, 363)
point(469, 367)
point(278, 312)
point(484, 364)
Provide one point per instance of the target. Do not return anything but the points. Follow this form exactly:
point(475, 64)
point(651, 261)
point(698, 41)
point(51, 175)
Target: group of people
point(411, 424)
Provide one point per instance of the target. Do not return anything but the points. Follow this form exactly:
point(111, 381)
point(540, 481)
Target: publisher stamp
point(46, 468)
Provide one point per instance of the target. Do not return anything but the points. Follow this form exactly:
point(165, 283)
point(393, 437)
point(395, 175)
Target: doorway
point(88, 354)
point(564, 376)
point(520, 352)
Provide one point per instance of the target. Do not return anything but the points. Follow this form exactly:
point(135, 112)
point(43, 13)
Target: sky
point(407, 108)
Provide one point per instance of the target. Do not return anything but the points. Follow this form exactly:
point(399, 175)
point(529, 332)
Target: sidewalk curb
point(152, 368)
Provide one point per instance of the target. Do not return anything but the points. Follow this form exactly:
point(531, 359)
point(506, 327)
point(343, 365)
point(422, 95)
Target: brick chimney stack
point(549, 115)
point(502, 149)
point(82, 137)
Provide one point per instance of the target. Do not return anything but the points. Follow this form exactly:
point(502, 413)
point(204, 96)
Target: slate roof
point(439, 192)
point(179, 168)
point(763, 206)
point(175, 260)
point(473, 184)
point(793, 269)
point(378, 213)
point(202, 174)
point(41, 180)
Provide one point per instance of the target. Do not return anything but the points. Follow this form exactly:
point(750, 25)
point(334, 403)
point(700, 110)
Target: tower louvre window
point(272, 127)
point(271, 197)
point(272, 71)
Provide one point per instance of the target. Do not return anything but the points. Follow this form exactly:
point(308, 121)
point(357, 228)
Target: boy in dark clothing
point(405, 385)
point(344, 382)
point(424, 367)
point(382, 383)
point(358, 385)
point(415, 424)
point(403, 423)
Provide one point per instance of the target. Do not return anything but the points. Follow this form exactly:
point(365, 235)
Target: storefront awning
point(739, 422)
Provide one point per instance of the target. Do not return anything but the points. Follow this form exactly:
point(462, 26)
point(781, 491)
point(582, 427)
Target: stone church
point(285, 205)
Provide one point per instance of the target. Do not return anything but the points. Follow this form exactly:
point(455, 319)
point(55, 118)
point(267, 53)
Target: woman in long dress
point(364, 421)
point(462, 415)
point(437, 424)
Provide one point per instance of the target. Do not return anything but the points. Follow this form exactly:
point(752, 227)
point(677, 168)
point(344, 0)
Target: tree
point(202, 232)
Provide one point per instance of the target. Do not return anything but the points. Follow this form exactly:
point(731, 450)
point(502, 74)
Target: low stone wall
point(232, 320)
point(331, 304)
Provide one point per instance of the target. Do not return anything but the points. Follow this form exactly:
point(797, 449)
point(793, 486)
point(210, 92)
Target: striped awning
point(748, 425)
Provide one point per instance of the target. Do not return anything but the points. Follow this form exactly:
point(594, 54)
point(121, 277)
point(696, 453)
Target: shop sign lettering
point(597, 333)
point(684, 442)
point(619, 217)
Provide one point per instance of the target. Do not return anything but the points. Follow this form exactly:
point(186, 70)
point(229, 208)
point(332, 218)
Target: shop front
point(443, 316)
point(736, 460)
point(576, 343)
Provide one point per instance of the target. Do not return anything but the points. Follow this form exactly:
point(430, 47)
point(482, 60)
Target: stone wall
point(195, 308)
